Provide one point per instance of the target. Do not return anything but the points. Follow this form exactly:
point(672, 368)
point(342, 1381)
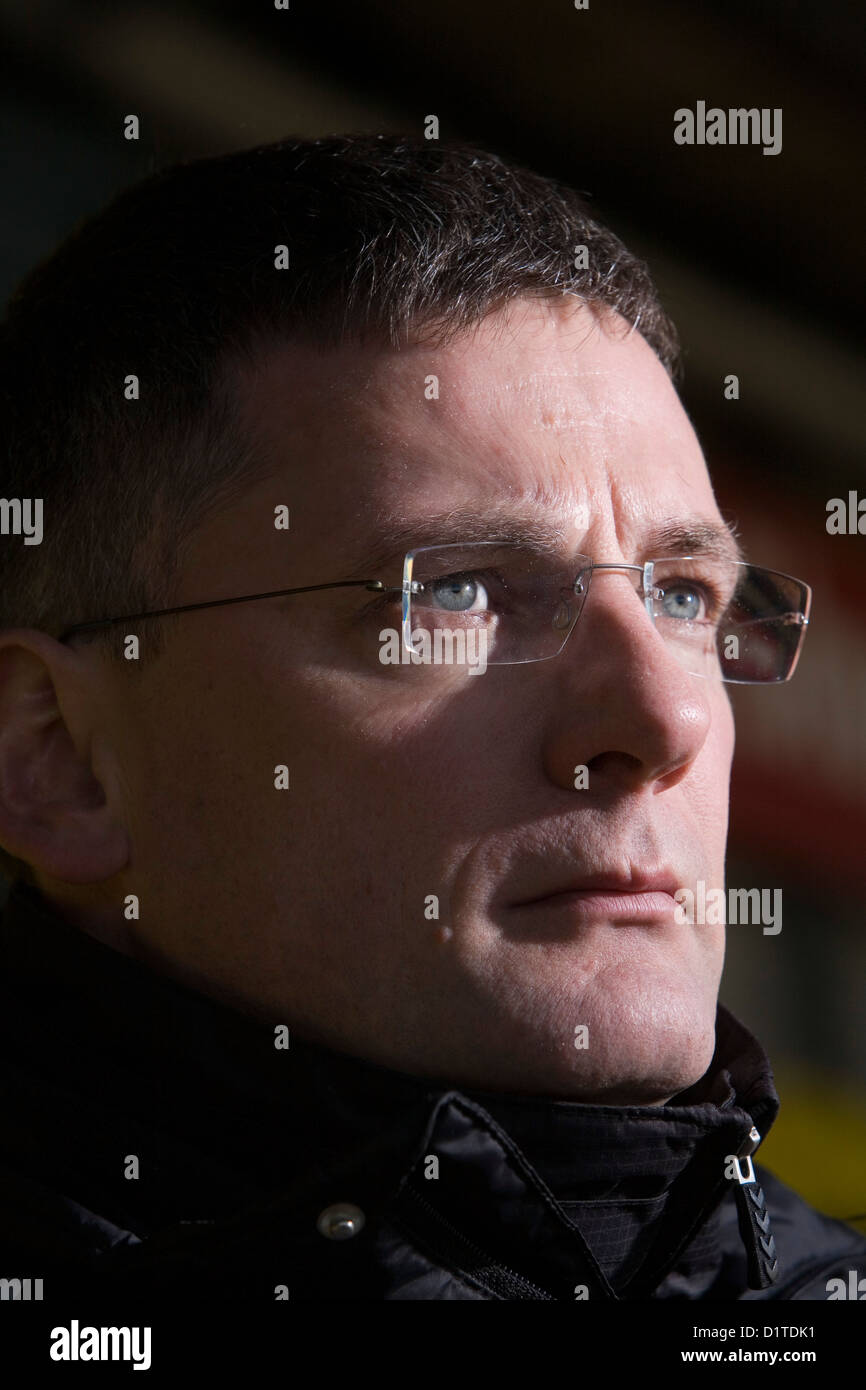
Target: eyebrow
point(456, 527)
point(459, 526)
point(714, 538)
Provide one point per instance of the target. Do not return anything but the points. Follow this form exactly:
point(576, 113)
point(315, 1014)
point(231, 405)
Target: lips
point(607, 885)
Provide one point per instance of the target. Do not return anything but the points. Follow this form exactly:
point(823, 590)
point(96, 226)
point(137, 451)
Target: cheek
point(727, 738)
point(718, 750)
point(391, 729)
point(707, 786)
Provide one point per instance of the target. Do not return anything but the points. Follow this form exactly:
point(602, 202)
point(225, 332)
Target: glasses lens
point(737, 622)
point(503, 602)
point(762, 631)
point(496, 603)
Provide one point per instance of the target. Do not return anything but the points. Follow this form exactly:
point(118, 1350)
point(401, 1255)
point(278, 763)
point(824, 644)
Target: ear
point(54, 812)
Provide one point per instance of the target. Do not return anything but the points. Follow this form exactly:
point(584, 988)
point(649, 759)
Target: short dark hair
point(176, 278)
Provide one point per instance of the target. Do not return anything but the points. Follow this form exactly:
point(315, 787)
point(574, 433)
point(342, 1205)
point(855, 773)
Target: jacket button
point(341, 1221)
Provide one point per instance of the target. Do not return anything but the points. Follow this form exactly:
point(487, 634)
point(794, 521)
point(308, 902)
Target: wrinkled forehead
point(542, 416)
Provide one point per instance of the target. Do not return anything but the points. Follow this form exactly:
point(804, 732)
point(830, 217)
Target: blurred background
point(758, 258)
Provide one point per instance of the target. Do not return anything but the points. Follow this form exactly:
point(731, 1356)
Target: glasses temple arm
point(372, 584)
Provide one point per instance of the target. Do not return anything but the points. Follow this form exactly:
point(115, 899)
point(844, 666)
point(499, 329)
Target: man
point(363, 717)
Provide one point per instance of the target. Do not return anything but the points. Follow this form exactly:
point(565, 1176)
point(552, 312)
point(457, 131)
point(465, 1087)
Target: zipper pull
point(747, 1148)
point(754, 1219)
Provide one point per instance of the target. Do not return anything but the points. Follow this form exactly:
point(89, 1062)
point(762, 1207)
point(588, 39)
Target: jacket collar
point(146, 1061)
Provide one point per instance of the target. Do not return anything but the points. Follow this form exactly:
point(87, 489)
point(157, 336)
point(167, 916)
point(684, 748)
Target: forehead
point(540, 414)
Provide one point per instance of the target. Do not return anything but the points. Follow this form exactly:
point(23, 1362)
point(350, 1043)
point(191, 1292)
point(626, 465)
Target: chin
point(645, 1065)
point(640, 1052)
point(649, 1029)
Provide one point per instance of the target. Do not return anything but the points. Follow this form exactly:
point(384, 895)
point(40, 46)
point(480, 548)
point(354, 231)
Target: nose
point(621, 703)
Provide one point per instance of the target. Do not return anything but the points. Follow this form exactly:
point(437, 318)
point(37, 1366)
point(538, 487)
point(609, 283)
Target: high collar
point(123, 1054)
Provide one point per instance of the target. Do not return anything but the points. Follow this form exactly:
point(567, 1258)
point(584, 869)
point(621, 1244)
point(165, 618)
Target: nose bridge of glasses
point(640, 576)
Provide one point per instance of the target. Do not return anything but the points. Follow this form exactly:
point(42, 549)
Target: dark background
point(758, 258)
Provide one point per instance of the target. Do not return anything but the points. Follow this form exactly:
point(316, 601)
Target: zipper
point(754, 1219)
point(746, 1149)
point(465, 1255)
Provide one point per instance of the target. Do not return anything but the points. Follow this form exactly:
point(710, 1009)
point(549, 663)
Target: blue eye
point(458, 593)
point(684, 603)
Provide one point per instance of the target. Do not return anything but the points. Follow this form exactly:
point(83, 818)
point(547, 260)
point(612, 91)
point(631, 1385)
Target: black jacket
point(264, 1173)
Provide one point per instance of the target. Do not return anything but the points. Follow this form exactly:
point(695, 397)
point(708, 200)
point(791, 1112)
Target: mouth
point(644, 898)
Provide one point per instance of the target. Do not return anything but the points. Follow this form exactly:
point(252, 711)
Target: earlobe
point(54, 813)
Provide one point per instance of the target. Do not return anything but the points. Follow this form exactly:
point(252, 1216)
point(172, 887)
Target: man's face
point(313, 905)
